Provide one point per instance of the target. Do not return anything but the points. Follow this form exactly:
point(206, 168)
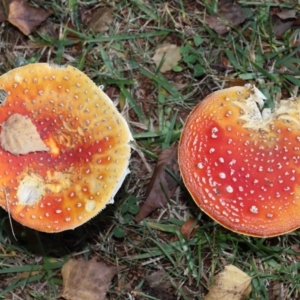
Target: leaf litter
point(162, 184)
point(230, 284)
point(98, 19)
point(229, 14)
point(283, 21)
point(87, 280)
point(26, 17)
point(166, 57)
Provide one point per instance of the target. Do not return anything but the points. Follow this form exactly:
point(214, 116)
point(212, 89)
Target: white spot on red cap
point(229, 189)
point(254, 209)
point(232, 162)
point(213, 132)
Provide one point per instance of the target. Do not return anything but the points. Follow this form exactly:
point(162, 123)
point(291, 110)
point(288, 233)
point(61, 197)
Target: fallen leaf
point(100, 19)
point(50, 29)
point(283, 21)
point(287, 14)
point(26, 17)
point(86, 280)
point(160, 183)
point(229, 14)
point(189, 228)
point(230, 284)
point(167, 57)
point(159, 285)
point(159, 279)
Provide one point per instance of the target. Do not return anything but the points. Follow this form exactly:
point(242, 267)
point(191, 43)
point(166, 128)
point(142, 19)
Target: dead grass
point(120, 59)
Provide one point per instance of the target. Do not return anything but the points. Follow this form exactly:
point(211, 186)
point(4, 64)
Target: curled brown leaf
point(100, 19)
point(86, 280)
point(229, 14)
point(162, 184)
point(283, 21)
point(189, 228)
point(26, 17)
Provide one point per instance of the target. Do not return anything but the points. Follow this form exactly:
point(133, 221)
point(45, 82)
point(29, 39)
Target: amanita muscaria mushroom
point(241, 164)
point(64, 147)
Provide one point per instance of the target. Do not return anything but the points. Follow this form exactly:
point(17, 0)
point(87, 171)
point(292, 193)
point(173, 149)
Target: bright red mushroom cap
point(64, 147)
point(241, 165)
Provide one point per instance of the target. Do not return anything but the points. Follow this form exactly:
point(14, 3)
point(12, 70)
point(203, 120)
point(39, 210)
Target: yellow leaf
point(167, 57)
point(231, 284)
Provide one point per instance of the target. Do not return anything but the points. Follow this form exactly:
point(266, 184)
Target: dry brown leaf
point(230, 284)
point(86, 280)
point(167, 57)
point(160, 183)
point(283, 21)
point(160, 279)
point(287, 14)
point(50, 29)
point(229, 14)
point(101, 18)
point(160, 285)
point(25, 16)
point(189, 228)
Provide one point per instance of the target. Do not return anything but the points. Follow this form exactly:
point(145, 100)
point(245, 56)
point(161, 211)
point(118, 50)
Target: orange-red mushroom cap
point(64, 147)
point(241, 165)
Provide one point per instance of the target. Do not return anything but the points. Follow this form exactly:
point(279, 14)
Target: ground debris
point(157, 284)
point(283, 21)
point(26, 17)
point(230, 284)
point(189, 228)
point(87, 280)
point(98, 19)
point(162, 184)
point(166, 57)
point(229, 14)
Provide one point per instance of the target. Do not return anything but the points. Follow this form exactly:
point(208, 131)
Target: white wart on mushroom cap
point(241, 165)
point(80, 147)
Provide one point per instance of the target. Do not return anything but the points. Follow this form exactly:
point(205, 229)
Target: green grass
point(156, 106)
